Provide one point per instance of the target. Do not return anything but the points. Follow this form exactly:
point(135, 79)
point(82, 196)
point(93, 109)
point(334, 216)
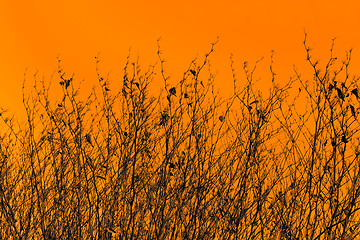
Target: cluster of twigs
point(185, 165)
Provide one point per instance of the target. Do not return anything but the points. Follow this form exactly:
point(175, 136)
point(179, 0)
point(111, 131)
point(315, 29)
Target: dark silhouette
point(355, 92)
point(164, 118)
point(88, 139)
point(352, 110)
point(171, 165)
point(340, 94)
point(172, 91)
point(250, 166)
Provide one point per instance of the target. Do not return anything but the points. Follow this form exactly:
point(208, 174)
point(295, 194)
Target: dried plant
point(186, 164)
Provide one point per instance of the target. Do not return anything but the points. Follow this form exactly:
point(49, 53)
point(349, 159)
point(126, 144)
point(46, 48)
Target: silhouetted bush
point(185, 164)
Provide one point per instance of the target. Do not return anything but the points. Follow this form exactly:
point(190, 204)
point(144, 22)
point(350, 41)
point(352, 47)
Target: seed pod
point(172, 91)
point(352, 110)
point(355, 92)
point(340, 94)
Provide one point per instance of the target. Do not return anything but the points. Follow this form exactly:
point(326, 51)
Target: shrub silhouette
point(187, 164)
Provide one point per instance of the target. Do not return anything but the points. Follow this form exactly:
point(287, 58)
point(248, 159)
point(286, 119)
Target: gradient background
point(34, 33)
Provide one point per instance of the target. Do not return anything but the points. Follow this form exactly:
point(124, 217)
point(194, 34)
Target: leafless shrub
point(187, 164)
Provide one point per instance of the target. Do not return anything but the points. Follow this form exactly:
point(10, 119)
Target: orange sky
point(34, 33)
